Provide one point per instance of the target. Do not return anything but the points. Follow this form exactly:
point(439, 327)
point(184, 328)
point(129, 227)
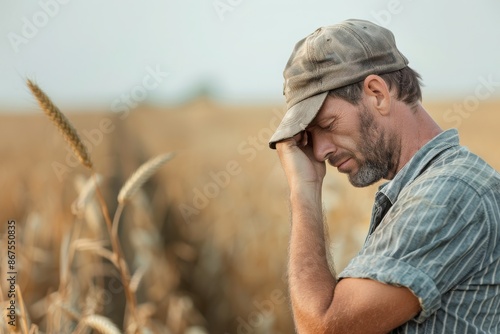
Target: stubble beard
point(378, 151)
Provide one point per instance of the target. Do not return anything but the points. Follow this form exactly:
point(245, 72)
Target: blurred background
point(206, 237)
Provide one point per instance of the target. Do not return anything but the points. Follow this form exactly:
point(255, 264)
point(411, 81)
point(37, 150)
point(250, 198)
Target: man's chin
point(361, 180)
point(361, 185)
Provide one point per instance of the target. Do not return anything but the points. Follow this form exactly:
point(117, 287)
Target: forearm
point(310, 280)
point(360, 305)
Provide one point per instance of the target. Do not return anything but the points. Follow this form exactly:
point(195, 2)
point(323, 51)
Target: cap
point(329, 58)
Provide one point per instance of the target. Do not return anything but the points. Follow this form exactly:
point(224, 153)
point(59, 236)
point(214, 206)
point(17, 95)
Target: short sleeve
point(434, 237)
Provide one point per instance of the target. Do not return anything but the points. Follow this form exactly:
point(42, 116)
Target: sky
point(101, 53)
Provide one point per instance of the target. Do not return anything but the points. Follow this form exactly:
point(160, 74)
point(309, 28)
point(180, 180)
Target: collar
point(419, 162)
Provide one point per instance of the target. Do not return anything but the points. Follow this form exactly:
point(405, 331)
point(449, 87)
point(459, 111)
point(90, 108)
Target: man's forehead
point(320, 115)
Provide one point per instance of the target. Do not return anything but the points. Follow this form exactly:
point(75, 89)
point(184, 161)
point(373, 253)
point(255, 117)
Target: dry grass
point(208, 274)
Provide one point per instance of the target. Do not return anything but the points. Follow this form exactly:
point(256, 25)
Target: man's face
point(349, 137)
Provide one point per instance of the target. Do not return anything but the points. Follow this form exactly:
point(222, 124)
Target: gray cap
point(329, 58)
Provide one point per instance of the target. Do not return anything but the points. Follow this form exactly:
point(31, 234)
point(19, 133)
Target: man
point(431, 261)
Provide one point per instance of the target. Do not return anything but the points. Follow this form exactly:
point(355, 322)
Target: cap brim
point(297, 118)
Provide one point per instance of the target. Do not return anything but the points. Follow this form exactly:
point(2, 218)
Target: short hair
point(406, 81)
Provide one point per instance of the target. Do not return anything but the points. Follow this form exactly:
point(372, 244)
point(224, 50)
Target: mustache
point(336, 160)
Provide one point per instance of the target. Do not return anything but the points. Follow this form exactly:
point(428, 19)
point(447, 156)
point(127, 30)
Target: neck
point(416, 128)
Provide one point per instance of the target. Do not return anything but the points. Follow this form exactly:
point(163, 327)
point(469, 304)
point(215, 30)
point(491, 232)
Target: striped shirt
point(435, 229)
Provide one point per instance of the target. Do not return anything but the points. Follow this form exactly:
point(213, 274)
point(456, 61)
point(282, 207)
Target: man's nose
point(322, 147)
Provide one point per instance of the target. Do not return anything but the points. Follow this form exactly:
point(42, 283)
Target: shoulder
point(457, 193)
point(458, 169)
point(458, 184)
point(457, 196)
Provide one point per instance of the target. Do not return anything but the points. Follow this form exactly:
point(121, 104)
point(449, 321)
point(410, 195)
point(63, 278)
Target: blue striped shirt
point(435, 229)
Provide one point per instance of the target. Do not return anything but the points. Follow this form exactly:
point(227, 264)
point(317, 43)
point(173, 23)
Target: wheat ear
point(134, 182)
point(62, 123)
point(71, 136)
point(141, 175)
point(100, 324)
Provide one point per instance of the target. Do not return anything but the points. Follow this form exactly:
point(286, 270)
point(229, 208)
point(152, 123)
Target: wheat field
point(204, 238)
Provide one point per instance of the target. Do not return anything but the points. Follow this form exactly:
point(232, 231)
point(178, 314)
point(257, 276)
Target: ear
point(377, 93)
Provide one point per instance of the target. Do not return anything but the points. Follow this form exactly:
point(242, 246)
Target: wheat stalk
point(88, 190)
point(120, 258)
point(137, 277)
point(62, 123)
point(71, 136)
point(138, 178)
point(34, 329)
point(69, 311)
point(141, 175)
point(23, 312)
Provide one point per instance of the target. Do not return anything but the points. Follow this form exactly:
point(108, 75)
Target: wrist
point(307, 194)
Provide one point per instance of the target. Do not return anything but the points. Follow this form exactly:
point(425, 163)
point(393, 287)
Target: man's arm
point(319, 303)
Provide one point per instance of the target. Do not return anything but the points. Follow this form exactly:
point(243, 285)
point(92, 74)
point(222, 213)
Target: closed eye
point(329, 127)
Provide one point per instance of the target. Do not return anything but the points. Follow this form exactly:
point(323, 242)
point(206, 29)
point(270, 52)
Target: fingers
point(300, 140)
point(285, 144)
point(297, 159)
point(303, 139)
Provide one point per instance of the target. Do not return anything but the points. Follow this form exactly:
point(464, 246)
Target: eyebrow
point(314, 122)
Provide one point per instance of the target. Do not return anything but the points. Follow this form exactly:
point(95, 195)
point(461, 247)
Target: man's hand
point(302, 170)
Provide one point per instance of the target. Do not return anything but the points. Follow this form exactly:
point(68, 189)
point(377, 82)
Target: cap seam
point(310, 55)
point(358, 37)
